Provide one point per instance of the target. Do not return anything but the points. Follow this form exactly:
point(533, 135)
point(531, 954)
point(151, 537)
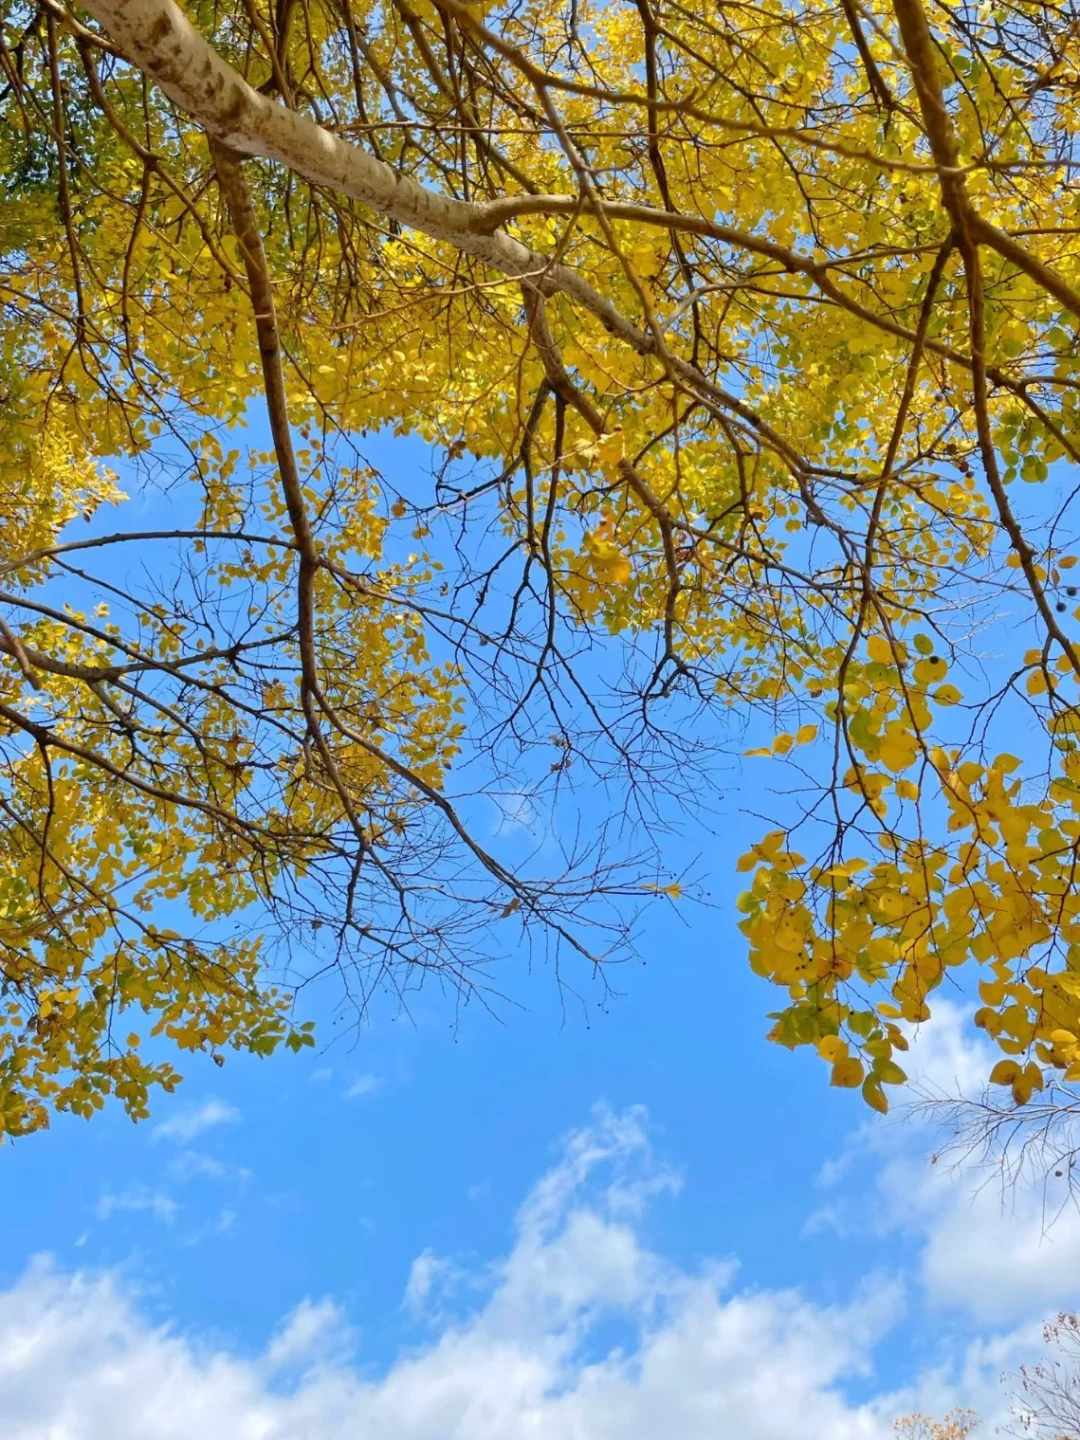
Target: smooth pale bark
point(158, 38)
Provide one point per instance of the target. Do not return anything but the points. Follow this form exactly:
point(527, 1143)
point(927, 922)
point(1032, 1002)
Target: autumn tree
point(746, 334)
point(1046, 1403)
point(1044, 1395)
point(957, 1425)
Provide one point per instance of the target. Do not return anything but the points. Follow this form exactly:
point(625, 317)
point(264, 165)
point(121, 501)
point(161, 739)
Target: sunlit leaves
point(730, 420)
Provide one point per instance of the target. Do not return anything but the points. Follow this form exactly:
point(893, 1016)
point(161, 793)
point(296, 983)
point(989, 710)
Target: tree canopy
point(746, 336)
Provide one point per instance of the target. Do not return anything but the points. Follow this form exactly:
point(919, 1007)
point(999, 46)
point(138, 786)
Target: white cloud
point(194, 1165)
point(517, 813)
point(948, 1055)
point(998, 1252)
point(138, 1198)
point(315, 1331)
point(362, 1087)
point(186, 1124)
point(698, 1358)
point(425, 1273)
point(434, 1282)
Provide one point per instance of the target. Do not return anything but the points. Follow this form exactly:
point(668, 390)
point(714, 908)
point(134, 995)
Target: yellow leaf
point(1021, 1089)
point(832, 1048)
point(992, 992)
point(618, 569)
point(609, 449)
point(930, 670)
point(847, 1073)
point(889, 1073)
point(898, 749)
point(1005, 1072)
point(644, 259)
point(1067, 722)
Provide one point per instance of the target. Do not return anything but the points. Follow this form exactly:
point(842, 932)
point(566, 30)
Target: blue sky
point(603, 1218)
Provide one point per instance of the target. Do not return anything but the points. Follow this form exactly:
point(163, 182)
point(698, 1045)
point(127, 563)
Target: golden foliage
point(957, 1425)
point(749, 337)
